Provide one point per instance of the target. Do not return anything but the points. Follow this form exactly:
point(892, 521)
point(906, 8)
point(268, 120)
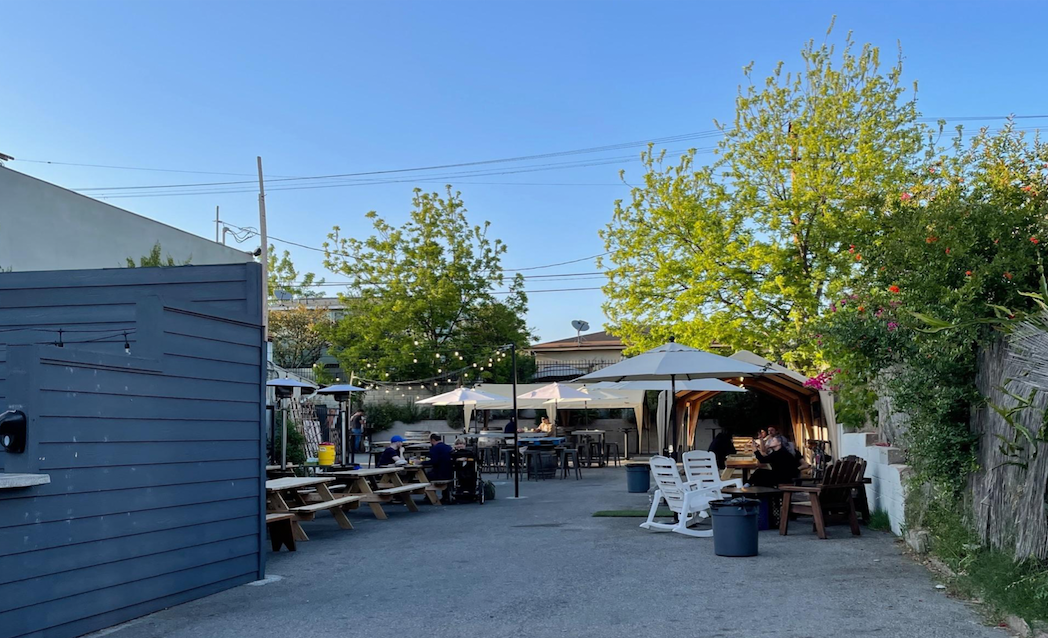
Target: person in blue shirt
point(511, 427)
point(391, 455)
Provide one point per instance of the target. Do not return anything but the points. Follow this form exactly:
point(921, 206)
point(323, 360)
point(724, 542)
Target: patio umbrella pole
point(673, 415)
point(283, 437)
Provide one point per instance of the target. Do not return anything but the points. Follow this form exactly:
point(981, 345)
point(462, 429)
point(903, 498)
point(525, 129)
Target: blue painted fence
point(156, 457)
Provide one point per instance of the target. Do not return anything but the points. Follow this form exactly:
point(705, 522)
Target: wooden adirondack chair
point(833, 497)
point(700, 469)
point(687, 500)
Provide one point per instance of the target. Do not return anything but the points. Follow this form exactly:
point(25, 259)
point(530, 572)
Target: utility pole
point(216, 225)
point(265, 253)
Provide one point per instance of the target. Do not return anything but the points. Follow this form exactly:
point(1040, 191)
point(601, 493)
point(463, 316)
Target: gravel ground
point(544, 566)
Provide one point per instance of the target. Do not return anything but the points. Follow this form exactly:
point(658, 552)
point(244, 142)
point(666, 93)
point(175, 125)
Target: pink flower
point(892, 326)
point(905, 197)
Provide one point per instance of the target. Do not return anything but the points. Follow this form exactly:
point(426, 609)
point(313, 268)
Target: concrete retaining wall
point(886, 467)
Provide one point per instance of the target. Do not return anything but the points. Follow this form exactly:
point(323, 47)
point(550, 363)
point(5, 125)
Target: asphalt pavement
point(544, 566)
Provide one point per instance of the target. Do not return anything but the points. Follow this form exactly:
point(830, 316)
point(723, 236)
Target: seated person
point(723, 447)
point(439, 459)
point(544, 427)
point(784, 466)
point(511, 427)
point(460, 445)
point(773, 430)
point(392, 455)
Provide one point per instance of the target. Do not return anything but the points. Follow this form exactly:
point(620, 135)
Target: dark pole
point(516, 425)
point(673, 416)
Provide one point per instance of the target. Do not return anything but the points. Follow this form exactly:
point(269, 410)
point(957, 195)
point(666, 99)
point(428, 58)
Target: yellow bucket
point(326, 454)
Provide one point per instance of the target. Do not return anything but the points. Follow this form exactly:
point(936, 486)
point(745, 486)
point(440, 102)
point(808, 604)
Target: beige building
point(576, 356)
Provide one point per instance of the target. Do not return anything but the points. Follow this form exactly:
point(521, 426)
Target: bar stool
point(595, 452)
point(611, 449)
point(509, 458)
point(573, 454)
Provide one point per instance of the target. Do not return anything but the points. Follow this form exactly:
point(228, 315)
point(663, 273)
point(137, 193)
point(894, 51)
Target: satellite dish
point(580, 326)
point(282, 295)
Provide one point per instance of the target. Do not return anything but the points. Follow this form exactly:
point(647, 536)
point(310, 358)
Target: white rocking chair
point(689, 502)
point(700, 469)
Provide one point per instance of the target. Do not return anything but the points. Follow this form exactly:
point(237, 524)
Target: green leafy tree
point(421, 297)
point(284, 277)
point(745, 251)
point(155, 259)
point(299, 335)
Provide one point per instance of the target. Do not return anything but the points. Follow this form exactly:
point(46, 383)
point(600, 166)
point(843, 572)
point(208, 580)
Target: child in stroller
point(468, 486)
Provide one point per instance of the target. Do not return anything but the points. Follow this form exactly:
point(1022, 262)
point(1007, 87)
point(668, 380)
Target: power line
point(520, 158)
point(594, 149)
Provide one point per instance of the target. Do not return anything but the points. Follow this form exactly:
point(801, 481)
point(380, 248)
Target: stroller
point(467, 486)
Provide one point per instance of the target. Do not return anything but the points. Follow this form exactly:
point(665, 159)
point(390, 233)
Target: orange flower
point(858, 257)
point(931, 239)
point(1035, 240)
point(1008, 275)
point(862, 308)
point(967, 273)
point(893, 288)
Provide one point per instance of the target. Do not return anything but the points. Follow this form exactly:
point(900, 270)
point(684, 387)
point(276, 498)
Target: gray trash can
point(735, 526)
point(638, 477)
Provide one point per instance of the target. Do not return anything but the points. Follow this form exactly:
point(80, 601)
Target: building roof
point(593, 341)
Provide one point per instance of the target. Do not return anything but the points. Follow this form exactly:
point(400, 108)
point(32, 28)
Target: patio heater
point(341, 394)
point(284, 389)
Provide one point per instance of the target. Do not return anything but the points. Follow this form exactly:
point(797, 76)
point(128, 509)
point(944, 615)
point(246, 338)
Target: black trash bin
point(638, 478)
point(735, 526)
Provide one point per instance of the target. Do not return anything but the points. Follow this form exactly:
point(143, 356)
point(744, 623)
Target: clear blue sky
point(319, 88)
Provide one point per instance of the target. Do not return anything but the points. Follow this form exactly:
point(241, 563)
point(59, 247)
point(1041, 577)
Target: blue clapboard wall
point(155, 456)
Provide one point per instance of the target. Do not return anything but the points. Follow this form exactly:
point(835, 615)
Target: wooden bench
point(402, 493)
point(400, 489)
point(335, 506)
point(280, 531)
point(435, 488)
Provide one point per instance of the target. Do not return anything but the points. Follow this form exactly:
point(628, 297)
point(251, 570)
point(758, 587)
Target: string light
point(127, 345)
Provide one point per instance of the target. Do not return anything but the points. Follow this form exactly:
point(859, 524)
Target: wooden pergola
point(811, 410)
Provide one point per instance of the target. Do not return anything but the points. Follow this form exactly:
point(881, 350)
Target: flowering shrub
point(960, 248)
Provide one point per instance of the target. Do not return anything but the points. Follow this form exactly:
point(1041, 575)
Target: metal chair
point(611, 450)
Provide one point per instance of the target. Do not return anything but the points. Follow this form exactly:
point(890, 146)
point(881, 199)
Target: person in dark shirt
point(391, 455)
point(723, 447)
point(511, 427)
point(356, 429)
point(439, 463)
point(784, 466)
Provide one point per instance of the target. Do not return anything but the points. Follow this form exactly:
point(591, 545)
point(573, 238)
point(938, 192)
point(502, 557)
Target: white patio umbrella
point(464, 396)
point(341, 392)
point(674, 362)
point(556, 393)
point(696, 385)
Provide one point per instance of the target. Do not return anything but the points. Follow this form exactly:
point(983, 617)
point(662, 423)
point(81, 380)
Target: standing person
point(392, 455)
point(784, 466)
point(356, 428)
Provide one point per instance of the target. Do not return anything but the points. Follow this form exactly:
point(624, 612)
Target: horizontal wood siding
point(155, 458)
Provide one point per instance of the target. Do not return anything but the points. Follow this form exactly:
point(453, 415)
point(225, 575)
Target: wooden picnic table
point(282, 490)
point(378, 485)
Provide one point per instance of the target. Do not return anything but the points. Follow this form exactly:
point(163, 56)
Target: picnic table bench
point(280, 530)
point(280, 491)
point(379, 485)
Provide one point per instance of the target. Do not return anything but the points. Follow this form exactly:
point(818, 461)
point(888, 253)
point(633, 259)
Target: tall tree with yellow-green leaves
point(746, 251)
